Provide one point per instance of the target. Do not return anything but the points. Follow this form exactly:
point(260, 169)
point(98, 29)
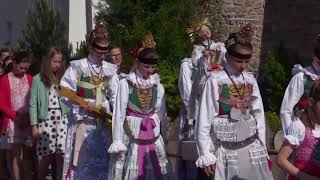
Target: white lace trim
point(117, 147)
point(292, 140)
point(298, 68)
point(206, 160)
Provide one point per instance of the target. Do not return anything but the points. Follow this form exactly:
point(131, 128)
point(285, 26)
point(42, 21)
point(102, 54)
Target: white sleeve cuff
point(206, 160)
point(117, 147)
point(292, 140)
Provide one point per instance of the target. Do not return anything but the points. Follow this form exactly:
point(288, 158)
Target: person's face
point(56, 62)
point(99, 54)
point(21, 68)
point(4, 55)
point(205, 32)
point(239, 64)
point(146, 69)
point(116, 57)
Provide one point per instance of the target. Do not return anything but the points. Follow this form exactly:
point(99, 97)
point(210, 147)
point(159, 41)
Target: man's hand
point(87, 107)
point(35, 132)
point(209, 170)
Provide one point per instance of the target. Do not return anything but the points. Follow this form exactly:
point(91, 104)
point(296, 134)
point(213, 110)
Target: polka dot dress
point(52, 131)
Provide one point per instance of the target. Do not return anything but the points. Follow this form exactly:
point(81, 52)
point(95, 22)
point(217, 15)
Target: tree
point(129, 20)
point(44, 29)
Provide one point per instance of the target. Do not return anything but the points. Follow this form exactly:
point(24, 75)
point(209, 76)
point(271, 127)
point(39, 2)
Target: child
point(230, 129)
point(139, 112)
point(15, 129)
point(88, 137)
point(299, 87)
point(303, 142)
point(48, 114)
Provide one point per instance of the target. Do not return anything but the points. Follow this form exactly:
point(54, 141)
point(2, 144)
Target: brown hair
point(94, 37)
point(21, 56)
point(46, 74)
point(7, 64)
point(310, 110)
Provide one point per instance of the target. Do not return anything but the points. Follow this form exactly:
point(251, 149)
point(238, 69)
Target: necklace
point(96, 78)
point(144, 95)
point(90, 65)
point(238, 89)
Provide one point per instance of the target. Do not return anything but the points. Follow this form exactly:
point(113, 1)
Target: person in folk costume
point(207, 57)
point(230, 130)
point(135, 52)
point(298, 90)
point(302, 142)
point(15, 130)
point(138, 124)
point(88, 138)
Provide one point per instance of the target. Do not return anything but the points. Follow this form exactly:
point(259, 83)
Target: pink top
point(307, 152)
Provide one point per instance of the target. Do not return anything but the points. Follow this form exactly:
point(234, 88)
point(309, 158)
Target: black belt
point(237, 145)
point(57, 108)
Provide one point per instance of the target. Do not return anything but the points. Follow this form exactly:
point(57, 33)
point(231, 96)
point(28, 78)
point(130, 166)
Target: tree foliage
point(44, 29)
point(129, 20)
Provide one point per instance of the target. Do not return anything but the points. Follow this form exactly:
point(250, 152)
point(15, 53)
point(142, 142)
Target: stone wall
point(235, 13)
point(293, 23)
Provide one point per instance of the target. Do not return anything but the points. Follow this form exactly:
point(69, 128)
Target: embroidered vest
point(229, 97)
point(88, 93)
point(137, 103)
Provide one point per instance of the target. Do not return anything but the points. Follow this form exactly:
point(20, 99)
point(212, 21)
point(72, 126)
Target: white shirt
point(80, 68)
point(185, 81)
point(209, 110)
point(296, 133)
point(293, 93)
point(120, 108)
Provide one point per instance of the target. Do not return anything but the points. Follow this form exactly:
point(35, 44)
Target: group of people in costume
point(222, 112)
point(222, 109)
point(91, 121)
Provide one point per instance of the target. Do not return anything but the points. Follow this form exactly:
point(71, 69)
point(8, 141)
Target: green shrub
point(128, 22)
point(274, 121)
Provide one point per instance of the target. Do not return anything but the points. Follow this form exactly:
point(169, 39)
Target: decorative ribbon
point(146, 132)
point(98, 89)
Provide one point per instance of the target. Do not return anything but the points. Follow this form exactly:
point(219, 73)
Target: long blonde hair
point(310, 110)
point(46, 74)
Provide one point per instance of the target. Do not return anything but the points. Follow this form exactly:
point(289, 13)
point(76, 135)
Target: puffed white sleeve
point(111, 90)
point(257, 110)
point(293, 93)
point(161, 111)
point(69, 80)
point(208, 110)
point(185, 83)
point(296, 132)
point(118, 117)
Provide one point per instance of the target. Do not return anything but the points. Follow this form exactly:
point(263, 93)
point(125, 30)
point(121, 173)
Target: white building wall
point(77, 22)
